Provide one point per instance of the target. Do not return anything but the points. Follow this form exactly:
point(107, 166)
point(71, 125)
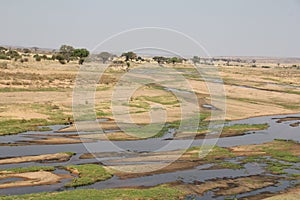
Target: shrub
point(24, 60)
point(44, 57)
point(26, 50)
point(38, 58)
point(13, 54)
point(4, 57)
point(59, 57)
point(62, 62)
point(265, 67)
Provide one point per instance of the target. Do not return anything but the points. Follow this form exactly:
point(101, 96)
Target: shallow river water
point(275, 131)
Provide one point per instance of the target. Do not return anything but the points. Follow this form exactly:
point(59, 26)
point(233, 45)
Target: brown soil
point(31, 179)
point(58, 157)
point(287, 119)
point(296, 124)
point(226, 187)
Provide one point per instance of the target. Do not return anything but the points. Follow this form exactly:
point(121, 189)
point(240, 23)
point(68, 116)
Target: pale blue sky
point(224, 27)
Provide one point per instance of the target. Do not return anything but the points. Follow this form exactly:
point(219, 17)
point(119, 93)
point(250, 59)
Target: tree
point(160, 59)
point(104, 56)
point(129, 55)
point(81, 54)
point(196, 59)
point(13, 54)
point(59, 57)
point(25, 50)
point(3, 49)
point(67, 51)
point(174, 60)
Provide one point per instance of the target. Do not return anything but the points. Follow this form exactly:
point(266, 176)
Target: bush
point(45, 57)
point(26, 50)
point(13, 54)
point(38, 58)
point(59, 57)
point(24, 60)
point(265, 67)
point(62, 62)
point(4, 57)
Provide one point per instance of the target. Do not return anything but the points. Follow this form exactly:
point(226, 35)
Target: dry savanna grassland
point(36, 94)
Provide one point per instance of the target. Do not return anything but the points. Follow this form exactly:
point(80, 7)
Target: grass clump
point(159, 193)
point(277, 167)
point(251, 159)
point(215, 154)
point(230, 165)
point(236, 129)
point(87, 174)
point(281, 151)
point(15, 126)
point(218, 153)
point(164, 100)
point(28, 169)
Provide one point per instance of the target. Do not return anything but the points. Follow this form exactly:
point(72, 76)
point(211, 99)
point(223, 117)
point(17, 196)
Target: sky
point(222, 27)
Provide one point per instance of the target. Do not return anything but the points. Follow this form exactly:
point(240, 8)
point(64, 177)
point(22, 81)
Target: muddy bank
point(228, 186)
point(31, 179)
point(58, 157)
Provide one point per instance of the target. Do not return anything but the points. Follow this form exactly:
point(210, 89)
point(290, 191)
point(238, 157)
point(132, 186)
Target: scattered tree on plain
point(129, 56)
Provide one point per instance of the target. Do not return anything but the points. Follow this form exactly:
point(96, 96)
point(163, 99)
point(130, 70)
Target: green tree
point(174, 60)
point(196, 59)
point(129, 55)
point(160, 59)
point(81, 54)
point(67, 51)
point(25, 50)
point(104, 56)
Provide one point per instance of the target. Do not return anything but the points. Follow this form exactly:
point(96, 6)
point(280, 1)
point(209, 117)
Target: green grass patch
point(215, 154)
point(241, 128)
point(101, 113)
point(295, 175)
point(251, 159)
point(159, 193)
point(230, 165)
point(44, 128)
point(236, 129)
point(283, 155)
point(15, 126)
point(9, 89)
point(277, 167)
point(88, 174)
point(164, 100)
point(29, 169)
point(280, 151)
point(140, 104)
